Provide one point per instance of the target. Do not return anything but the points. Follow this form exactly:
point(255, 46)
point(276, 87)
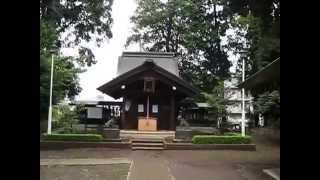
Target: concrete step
point(135, 140)
point(146, 134)
point(147, 148)
point(147, 144)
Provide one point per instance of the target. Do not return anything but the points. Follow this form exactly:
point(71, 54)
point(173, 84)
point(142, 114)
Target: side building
point(234, 107)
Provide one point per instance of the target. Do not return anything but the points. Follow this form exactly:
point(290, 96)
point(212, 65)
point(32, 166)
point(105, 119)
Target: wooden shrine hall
point(151, 89)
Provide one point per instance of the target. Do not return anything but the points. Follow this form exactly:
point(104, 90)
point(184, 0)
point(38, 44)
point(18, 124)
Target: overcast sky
point(107, 54)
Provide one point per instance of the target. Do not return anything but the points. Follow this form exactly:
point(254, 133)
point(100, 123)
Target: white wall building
point(233, 94)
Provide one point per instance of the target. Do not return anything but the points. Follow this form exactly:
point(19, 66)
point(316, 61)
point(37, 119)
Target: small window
point(149, 85)
point(155, 108)
point(140, 108)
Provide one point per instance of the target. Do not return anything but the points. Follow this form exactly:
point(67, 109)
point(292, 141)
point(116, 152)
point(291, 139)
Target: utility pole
point(140, 45)
point(50, 101)
point(243, 123)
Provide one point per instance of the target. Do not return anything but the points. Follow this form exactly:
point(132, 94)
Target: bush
point(213, 139)
point(72, 137)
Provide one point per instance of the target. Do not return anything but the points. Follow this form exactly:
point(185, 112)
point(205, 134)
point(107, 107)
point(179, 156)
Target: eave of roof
point(105, 88)
point(269, 73)
point(148, 54)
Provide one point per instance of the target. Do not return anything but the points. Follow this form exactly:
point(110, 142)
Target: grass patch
point(72, 137)
point(214, 139)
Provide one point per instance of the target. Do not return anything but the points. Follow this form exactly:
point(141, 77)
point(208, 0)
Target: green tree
point(69, 23)
point(64, 118)
point(257, 32)
point(81, 18)
point(256, 26)
point(191, 29)
point(219, 103)
point(65, 81)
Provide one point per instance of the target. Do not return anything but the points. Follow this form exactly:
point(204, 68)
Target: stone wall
point(51, 145)
point(269, 134)
point(111, 133)
point(186, 133)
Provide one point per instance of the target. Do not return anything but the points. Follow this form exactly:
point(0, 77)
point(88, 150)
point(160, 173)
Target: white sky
point(107, 54)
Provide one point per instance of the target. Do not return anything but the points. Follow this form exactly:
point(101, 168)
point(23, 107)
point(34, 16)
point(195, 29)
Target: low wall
point(266, 134)
point(183, 134)
point(190, 146)
point(50, 145)
point(187, 133)
point(111, 133)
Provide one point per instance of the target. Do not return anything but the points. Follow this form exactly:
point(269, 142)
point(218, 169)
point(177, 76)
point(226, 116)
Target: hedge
point(72, 137)
point(213, 139)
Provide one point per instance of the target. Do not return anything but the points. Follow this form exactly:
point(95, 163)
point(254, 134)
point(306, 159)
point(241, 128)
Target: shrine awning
point(270, 73)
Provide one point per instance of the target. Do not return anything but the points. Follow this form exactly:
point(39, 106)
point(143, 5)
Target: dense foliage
point(213, 139)
point(67, 24)
point(219, 103)
point(257, 32)
point(191, 29)
point(64, 118)
point(202, 32)
point(82, 19)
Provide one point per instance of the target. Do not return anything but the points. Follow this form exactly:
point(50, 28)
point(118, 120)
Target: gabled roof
point(269, 73)
point(131, 60)
point(115, 84)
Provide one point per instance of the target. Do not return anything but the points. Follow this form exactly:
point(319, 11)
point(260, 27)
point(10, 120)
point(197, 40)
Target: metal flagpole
point(148, 108)
point(243, 124)
point(50, 105)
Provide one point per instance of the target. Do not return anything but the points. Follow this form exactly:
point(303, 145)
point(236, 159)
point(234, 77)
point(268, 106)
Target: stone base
point(51, 145)
point(111, 133)
point(190, 146)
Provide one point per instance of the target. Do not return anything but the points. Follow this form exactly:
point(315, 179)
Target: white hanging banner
point(155, 108)
point(140, 108)
point(127, 105)
point(94, 112)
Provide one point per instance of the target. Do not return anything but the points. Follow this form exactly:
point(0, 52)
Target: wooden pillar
point(122, 115)
point(172, 123)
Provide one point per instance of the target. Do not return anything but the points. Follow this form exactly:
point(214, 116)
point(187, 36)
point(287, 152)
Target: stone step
point(135, 140)
point(147, 148)
point(146, 134)
point(147, 144)
point(143, 136)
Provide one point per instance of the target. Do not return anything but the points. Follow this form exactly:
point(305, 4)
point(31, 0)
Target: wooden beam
point(123, 112)
point(172, 125)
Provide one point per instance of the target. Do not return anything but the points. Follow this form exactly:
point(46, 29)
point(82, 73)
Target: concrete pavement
point(88, 161)
point(274, 173)
point(149, 165)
